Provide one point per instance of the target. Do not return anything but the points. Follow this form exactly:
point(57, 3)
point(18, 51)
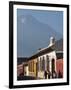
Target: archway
point(53, 66)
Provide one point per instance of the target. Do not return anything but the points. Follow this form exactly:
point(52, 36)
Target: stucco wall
point(59, 66)
point(19, 69)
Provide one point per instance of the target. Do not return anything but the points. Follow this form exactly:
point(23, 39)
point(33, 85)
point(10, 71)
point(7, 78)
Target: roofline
point(59, 51)
point(43, 51)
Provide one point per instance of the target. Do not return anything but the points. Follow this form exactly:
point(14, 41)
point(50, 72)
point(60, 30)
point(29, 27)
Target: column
point(45, 63)
point(50, 67)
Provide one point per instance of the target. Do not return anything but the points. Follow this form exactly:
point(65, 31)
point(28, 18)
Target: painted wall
point(51, 55)
point(20, 70)
point(59, 66)
point(32, 67)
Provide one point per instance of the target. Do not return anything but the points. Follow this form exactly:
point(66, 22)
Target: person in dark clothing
point(49, 74)
point(54, 74)
point(59, 74)
point(45, 74)
point(20, 77)
point(21, 74)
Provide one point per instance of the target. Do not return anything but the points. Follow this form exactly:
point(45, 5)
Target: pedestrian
point(59, 74)
point(49, 74)
point(45, 74)
point(54, 74)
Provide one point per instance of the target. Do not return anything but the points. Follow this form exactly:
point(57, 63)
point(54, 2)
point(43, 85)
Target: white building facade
point(47, 61)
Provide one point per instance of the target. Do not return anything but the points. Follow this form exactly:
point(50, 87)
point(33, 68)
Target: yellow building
point(30, 67)
point(32, 64)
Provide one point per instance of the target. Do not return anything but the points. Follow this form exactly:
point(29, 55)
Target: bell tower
point(52, 41)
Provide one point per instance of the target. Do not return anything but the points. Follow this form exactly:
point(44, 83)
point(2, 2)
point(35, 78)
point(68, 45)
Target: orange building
point(59, 64)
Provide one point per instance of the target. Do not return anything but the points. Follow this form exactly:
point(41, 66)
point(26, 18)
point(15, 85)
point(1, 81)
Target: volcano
point(33, 34)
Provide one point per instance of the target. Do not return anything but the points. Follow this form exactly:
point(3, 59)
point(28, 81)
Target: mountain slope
point(32, 34)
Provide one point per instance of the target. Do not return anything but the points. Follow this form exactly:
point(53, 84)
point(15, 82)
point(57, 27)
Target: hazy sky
point(25, 46)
